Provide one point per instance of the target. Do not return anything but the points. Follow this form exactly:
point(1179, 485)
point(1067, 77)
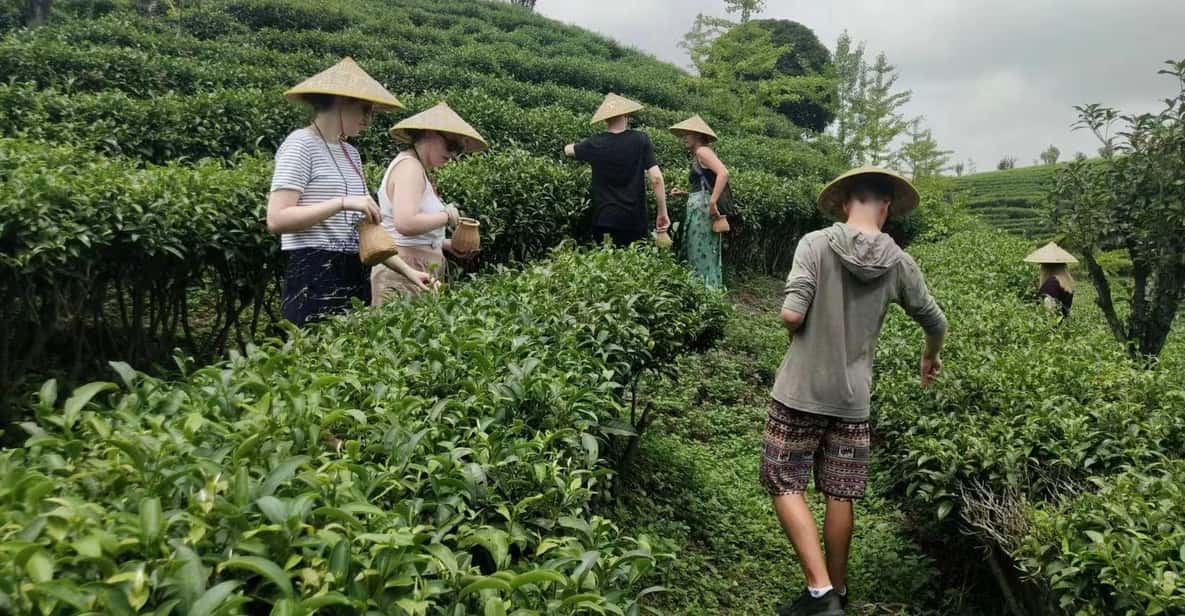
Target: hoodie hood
point(867, 257)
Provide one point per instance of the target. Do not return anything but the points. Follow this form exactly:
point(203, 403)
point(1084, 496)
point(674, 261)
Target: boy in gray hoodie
point(837, 294)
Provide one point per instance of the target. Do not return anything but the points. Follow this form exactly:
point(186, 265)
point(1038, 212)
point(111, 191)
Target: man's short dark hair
point(871, 188)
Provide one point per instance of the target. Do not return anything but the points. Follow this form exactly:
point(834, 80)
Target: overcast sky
point(992, 78)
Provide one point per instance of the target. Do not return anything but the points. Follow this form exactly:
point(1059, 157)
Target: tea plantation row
point(1012, 200)
point(123, 276)
point(475, 433)
point(1029, 419)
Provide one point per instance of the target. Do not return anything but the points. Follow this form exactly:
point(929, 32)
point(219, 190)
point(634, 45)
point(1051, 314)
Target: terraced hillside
point(1011, 200)
point(136, 150)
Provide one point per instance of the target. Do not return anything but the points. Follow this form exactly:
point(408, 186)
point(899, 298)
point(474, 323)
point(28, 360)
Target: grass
point(695, 483)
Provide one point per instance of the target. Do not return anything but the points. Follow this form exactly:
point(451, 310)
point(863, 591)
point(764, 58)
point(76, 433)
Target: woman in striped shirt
point(319, 195)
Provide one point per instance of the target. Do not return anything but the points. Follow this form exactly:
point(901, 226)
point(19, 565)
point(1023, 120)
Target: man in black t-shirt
point(621, 158)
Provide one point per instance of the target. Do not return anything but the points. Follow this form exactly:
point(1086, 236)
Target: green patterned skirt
point(700, 245)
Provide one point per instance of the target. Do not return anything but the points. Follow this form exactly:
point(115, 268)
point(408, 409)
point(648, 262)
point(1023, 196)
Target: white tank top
point(429, 203)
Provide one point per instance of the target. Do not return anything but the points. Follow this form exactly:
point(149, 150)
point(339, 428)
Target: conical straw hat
point(1050, 253)
point(614, 106)
point(695, 124)
point(347, 79)
point(905, 196)
point(443, 119)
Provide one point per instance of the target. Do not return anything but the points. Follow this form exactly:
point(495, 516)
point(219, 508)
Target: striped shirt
point(304, 164)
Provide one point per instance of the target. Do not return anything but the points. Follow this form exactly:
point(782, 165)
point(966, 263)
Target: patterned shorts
point(796, 442)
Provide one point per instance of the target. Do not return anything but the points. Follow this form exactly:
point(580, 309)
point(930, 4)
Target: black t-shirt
point(619, 163)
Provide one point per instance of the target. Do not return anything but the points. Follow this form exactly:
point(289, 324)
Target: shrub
point(1114, 551)
point(527, 204)
point(288, 15)
point(98, 258)
point(473, 426)
point(1025, 409)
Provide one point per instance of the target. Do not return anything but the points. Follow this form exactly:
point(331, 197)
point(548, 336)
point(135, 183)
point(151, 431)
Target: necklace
point(333, 159)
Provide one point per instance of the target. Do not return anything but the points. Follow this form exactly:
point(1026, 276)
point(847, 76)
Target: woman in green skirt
point(706, 183)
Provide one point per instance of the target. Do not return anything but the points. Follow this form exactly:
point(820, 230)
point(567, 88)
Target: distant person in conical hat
point(707, 183)
point(1056, 285)
point(319, 195)
point(412, 210)
point(837, 294)
point(621, 160)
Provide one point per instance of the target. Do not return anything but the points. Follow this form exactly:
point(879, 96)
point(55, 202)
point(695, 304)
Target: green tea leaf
point(326, 600)
point(539, 577)
point(191, 576)
point(486, 583)
point(339, 560)
point(125, 372)
point(281, 473)
point(150, 515)
point(495, 541)
point(40, 566)
point(89, 546)
point(67, 593)
point(211, 599)
point(443, 554)
point(273, 509)
point(264, 567)
point(80, 398)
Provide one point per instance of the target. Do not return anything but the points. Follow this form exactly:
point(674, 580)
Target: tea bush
point(527, 204)
point(1118, 550)
point(474, 426)
point(1025, 410)
point(161, 95)
point(99, 257)
point(288, 15)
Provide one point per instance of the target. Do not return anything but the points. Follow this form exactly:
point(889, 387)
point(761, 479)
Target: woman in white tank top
point(411, 209)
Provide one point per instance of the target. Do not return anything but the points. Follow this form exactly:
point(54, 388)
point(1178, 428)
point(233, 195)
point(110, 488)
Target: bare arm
point(405, 187)
point(284, 216)
point(660, 195)
point(418, 278)
point(709, 160)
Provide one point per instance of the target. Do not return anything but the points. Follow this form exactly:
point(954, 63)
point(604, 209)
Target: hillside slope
point(1011, 200)
point(135, 154)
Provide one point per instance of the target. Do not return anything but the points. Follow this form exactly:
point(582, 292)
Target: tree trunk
point(1103, 290)
point(39, 12)
point(1168, 290)
point(1138, 325)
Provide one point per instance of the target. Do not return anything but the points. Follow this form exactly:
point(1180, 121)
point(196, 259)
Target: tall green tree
point(1050, 155)
point(747, 8)
point(1134, 201)
point(777, 64)
point(849, 69)
point(698, 40)
point(920, 155)
point(880, 117)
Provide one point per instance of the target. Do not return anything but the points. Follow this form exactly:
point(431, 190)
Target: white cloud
point(993, 78)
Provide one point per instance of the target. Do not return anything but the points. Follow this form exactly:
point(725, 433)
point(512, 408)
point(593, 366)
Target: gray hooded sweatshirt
point(843, 281)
